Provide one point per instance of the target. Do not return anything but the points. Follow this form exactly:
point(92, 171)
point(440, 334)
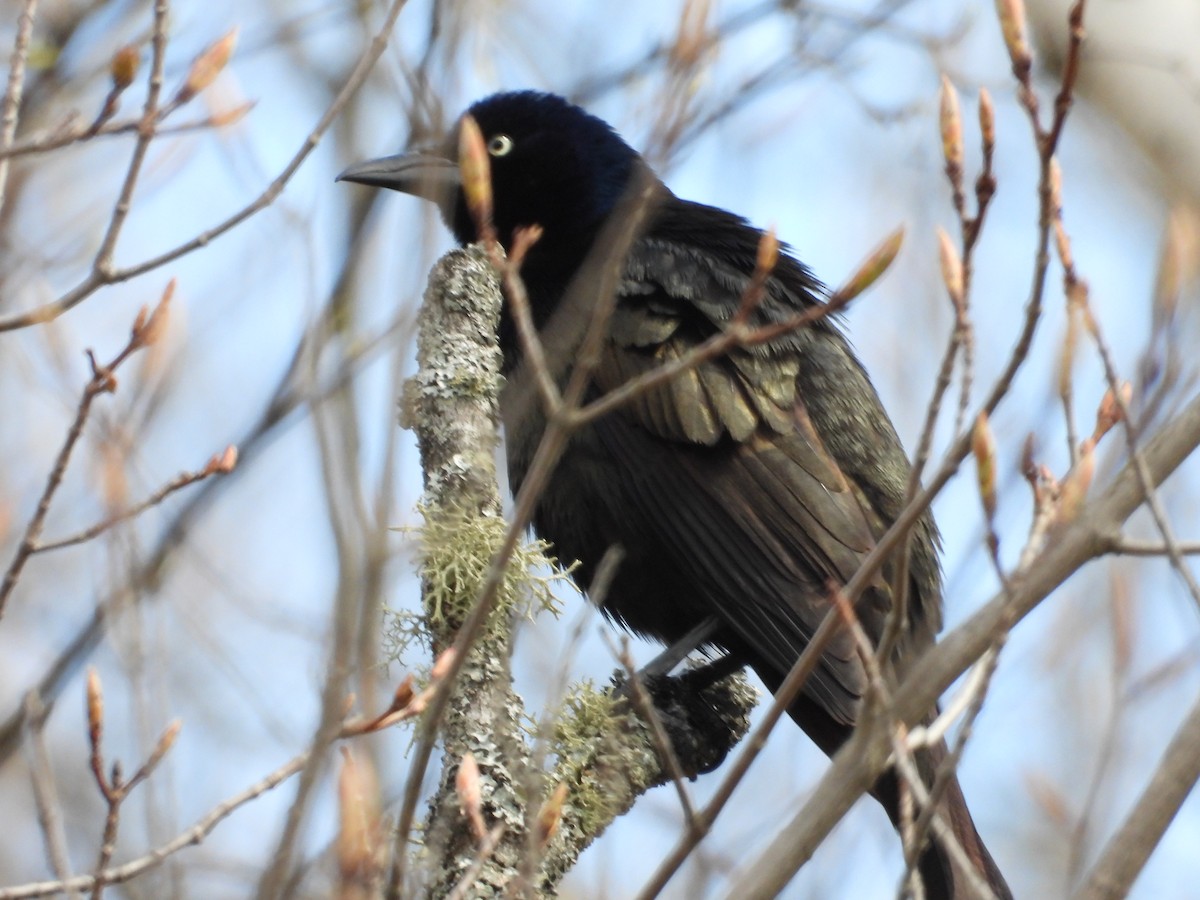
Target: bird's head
point(552, 165)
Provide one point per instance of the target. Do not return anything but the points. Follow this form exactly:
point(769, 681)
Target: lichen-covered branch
point(608, 757)
point(603, 753)
point(452, 403)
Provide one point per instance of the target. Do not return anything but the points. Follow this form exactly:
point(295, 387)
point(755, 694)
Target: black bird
point(739, 491)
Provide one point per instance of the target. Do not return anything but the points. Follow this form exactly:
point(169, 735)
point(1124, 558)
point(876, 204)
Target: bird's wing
point(725, 463)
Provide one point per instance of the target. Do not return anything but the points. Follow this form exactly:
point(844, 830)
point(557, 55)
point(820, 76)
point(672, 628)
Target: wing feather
point(724, 467)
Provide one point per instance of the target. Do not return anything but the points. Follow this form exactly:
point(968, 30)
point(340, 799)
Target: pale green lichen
point(404, 629)
point(604, 769)
point(455, 551)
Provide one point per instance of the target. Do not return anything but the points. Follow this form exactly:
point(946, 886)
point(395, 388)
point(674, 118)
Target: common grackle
point(740, 491)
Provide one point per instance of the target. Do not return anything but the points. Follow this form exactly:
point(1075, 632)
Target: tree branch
point(607, 755)
point(864, 757)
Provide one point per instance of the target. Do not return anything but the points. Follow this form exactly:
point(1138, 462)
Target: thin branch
point(101, 276)
point(101, 382)
point(645, 708)
point(66, 136)
point(102, 264)
point(737, 334)
point(1123, 546)
point(179, 482)
point(193, 836)
point(702, 823)
point(285, 401)
point(518, 301)
point(969, 703)
point(902, 748)
point(1132, 439)
point(486, 848)
point(15, 89)
point(859, 762)
point(45, 790)
point(1126, 853)
point(867, 571)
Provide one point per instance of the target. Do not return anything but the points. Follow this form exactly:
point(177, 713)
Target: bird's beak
point(430, 177)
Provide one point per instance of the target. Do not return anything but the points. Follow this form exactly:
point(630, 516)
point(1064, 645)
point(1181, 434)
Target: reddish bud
point(987, 118)
point(550, 815)
point(207, 66)
point(147, 331)
point(95, 707)
point(983, 448)
point(1075, 486)
point(1180, 261)
point(524, 238)
point(476, 173)
point(470, 795)
point(231, 116)
point(767, 256)
point(1062, 243)
point(1066, 355)
point(405, 691)
point(1110, 412)
point(950, 119)
point(873, 267)
point(952, 270)
point(360, 832)
point(124, 66)
point(1012, 25)
point(692, 37)
point(166, 741)
point(226, 461)
point(441, 666)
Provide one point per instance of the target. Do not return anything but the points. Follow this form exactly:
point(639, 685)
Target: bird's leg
point(706, 676)
point(656, 676)
point(678, 651)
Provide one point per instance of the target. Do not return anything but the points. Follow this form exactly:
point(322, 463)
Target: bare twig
point(102, 265)
point(739, 334)
point(193, 836)
point(65, 137)
point(902, 747)
point(1123, 546)
point(286, 398)
point(113, 786)
point(1127, 851)
point(702, 823)
point(103, 273)
point(970, 702)
point(645, 709)
point(219, 464)
point(101, 382)
point(518, 301)
point(45, 790)
point(1133, 441)
point(858, 763)
point(15, 88)
point(486, 848)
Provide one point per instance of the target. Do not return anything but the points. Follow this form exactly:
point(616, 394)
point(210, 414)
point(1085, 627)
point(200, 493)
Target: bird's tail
point(942, 877)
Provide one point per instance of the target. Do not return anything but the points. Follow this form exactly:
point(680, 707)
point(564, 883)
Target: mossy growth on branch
point(603, 771)
point(455, 552)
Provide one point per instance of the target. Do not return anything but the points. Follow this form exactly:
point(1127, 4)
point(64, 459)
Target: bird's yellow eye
point(500, 145)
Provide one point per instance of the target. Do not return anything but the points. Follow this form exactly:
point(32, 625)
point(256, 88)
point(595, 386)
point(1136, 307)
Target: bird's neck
point(571, 258)
point(544, 286)
point(547, 272)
